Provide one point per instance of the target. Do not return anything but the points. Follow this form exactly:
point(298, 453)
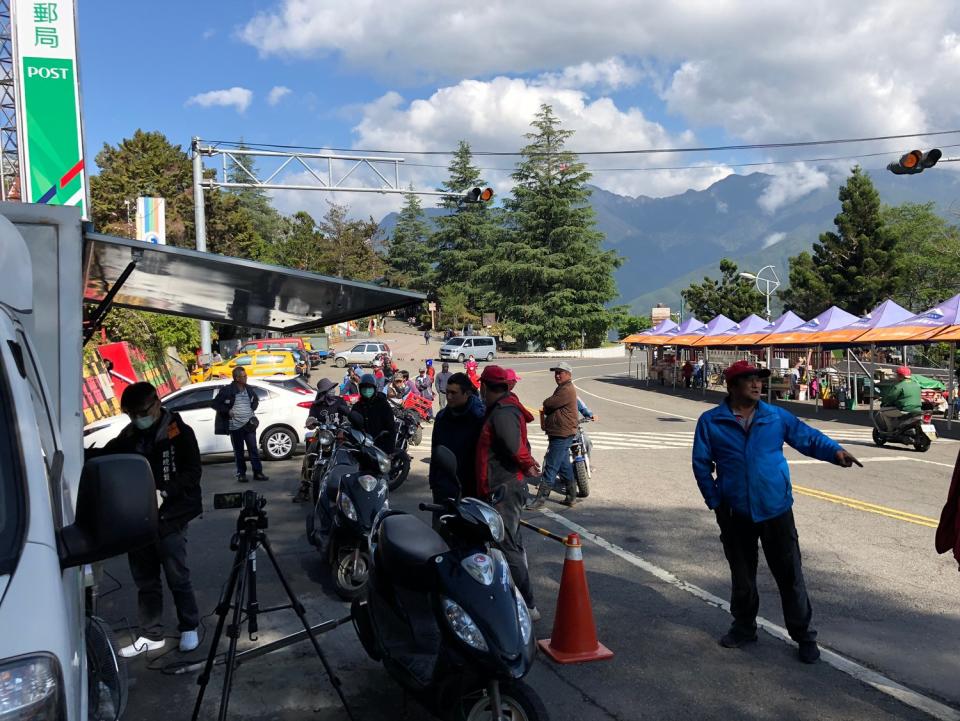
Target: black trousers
point(781, 548)
point(239, 438)
point(169, 554)
point(510, 508)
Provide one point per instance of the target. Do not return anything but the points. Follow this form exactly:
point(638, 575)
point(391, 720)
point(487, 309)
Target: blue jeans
point(557, 463)
point(244, 437)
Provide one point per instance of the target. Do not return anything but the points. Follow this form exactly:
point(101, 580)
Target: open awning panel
point(230, 291)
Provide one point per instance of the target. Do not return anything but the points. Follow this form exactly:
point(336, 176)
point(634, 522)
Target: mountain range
point(755, 220)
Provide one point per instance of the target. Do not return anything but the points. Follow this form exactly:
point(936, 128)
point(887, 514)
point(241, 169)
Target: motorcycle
point(443, 615)
point(914, 430)
point(580, 459)
point(350, 495)
point(409, 433)
point(319, 441)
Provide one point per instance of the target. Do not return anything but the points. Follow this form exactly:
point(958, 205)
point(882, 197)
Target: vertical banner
point(151, 220)
point(48, 98)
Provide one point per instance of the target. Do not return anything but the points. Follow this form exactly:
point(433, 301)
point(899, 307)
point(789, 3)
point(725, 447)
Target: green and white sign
point(49, 129)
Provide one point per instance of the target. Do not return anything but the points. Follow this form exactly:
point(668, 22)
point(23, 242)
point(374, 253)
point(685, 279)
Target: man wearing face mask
point(171, 448)
point(378, 419)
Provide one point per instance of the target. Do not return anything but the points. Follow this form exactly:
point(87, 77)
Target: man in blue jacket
point(743, 475)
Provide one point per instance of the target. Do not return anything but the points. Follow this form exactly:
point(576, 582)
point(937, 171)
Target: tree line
point(535, 261)
point(905, 252)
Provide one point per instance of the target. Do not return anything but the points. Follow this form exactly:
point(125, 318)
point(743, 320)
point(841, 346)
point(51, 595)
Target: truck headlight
point(462, 625)
point(30, 688)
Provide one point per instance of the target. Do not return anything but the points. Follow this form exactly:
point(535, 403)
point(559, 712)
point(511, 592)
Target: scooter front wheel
point(350, 572)
point(399, 470)
point(518, 702)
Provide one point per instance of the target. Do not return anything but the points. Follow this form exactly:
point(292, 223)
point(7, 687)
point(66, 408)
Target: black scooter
point(408, 424)
point(443, 614)
point(908, 430)
point(350, 495)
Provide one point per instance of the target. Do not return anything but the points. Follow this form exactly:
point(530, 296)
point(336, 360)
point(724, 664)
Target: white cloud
point(236, 97)
point(773, 239)
point(761, 71)
point(277, 93)
point(609, 74)
point(790, 183)
point(494, 115)
point(722, 207)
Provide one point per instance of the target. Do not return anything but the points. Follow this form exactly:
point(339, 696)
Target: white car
point(282, 414)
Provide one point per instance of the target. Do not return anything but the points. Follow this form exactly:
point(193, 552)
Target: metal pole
point(200, 223)
point(769, 356)
point(950, 384)
point(706, 370)
point(873, 374)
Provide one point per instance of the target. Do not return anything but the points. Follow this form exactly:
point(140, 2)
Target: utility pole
point(200, 222)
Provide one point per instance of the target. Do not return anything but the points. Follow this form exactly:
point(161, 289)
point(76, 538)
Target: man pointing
point(743, 475)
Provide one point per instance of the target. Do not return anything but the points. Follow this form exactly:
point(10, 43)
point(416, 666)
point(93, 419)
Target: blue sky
point(418, 75)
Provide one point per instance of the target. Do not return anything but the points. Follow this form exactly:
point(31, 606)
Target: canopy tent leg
point(769, 378)
point(873, 381)
point(816, 399)
point(706, 370)
point(950, 385)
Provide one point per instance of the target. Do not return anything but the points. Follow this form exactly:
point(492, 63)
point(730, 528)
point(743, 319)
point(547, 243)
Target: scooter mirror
point(446, 463)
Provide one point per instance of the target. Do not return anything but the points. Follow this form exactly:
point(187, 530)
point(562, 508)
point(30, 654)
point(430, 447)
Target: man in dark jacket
point(236, 405)
point(560, 424)
point(504, 461)
point(441, 382)
point(378, 418)
point(741, 440)
point(171, 447)
point(458, 428)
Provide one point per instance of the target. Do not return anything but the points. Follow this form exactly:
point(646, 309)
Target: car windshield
point(455, 341)
point(12, 510)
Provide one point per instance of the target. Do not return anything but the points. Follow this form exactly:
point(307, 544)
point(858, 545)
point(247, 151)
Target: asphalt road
point(884, 602)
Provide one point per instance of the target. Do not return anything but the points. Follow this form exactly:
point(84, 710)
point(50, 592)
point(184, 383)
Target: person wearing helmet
point(900, 401)
point(378, 419)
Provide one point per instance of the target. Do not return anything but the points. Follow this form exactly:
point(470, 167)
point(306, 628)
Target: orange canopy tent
point(667, 337)
point(743, 333)
point(642, 338)
point(921, 327)
point(884, 315)
point(720, 324)
point(686, 335)
point(832, 318)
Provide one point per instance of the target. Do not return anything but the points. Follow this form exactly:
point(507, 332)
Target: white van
point(481, 347)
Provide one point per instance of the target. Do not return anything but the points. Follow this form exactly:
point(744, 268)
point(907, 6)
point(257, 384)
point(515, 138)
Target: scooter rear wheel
point(921, 441)
point(877, 439)
point(582, 474)
point(518, 702)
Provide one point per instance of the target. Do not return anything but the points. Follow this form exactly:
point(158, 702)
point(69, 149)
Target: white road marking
point(842, 663)
point(632, 405)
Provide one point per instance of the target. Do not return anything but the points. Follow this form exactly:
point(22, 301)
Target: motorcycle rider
point(378, 419)
point(457, 427)
point(327, 408)
point(504, 460)
point(901, 401)
point(560, 425)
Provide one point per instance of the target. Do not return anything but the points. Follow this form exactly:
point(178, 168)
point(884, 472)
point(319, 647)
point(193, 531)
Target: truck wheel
point(582, 475)
point(341, 362)
point(278, 444)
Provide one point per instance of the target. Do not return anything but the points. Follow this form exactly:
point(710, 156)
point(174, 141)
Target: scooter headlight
point(346, 506)
point(368, 482)
point(326, 438)
point(494, 522)
point(523, 616)
point(462, 625)
point(480, 567)
point(383, 460)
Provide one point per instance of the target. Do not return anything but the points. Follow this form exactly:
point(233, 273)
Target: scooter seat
point(405, 544)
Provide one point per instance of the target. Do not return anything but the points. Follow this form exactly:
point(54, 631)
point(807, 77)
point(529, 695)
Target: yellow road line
point(868, 507)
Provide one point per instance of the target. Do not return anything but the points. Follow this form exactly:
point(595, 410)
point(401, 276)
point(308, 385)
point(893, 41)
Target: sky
point(412, 76)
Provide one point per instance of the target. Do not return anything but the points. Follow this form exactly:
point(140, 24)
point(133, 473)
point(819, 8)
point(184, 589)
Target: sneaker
point(242, 478)
point(141, 645)
point(734, 638)
point(260, 477)
point(189, 640)
point(809, 652)
point(534, 613)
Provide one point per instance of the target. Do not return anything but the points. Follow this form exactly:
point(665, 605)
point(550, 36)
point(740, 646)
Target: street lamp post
point(766, 286)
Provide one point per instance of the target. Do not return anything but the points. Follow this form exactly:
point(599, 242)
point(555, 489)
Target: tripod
point(242, 583)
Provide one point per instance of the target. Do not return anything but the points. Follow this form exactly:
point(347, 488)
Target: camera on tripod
point(250, 503)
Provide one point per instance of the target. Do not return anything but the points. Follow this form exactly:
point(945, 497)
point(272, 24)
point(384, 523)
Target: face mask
point(367, 392)
point(144, 422)
point(331, 394)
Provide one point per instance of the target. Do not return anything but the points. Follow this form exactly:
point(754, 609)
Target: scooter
point(350, 496)
point(443, 615)
point(580, 459)
point(408, 427)
point(319, 440)
point(915, 430)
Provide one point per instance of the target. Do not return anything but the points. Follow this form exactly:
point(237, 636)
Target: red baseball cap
point(495, 375)
point(903, 371)
point(745, 368)
point(512, 378)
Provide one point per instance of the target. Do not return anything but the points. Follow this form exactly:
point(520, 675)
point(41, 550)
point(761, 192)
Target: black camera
point(248, 501)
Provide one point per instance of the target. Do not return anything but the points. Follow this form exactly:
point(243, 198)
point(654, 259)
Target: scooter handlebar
point(432, 507)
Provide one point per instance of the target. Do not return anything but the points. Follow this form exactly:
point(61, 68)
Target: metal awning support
point(950, 384)
point(98, 314)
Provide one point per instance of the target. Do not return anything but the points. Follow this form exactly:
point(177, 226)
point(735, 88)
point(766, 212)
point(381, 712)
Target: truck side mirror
point(116, 510)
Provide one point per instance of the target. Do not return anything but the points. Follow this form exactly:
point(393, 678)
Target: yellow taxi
point(257, 363)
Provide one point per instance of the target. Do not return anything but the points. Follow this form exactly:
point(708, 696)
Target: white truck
point(59, 515)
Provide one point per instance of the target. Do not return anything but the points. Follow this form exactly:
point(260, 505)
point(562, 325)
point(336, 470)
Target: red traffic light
point(478, 195)
point(915, 162)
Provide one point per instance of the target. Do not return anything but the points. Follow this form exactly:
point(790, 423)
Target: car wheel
point(489, 357)
point(278, 443)
point(461, 358)
point(341, 362)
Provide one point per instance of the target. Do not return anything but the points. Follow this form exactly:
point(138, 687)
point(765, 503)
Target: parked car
point(270, 343)
point(282, 414)
point(361, 354)
point(319, 344)
point(459, 348)
point(297, 384)
point(257, 363)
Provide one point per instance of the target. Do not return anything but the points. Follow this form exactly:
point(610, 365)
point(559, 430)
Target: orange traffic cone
point(574, 633)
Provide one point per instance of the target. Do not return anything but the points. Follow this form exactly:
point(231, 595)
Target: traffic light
point(915, 162)
point(478, 195)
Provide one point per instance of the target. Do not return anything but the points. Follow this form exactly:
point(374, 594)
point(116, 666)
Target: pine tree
point(348, 246)
point(551, 278)
point(408, 255)
point(856, 267)
point(266, 220)
point(807, 294)
point(465, 236)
